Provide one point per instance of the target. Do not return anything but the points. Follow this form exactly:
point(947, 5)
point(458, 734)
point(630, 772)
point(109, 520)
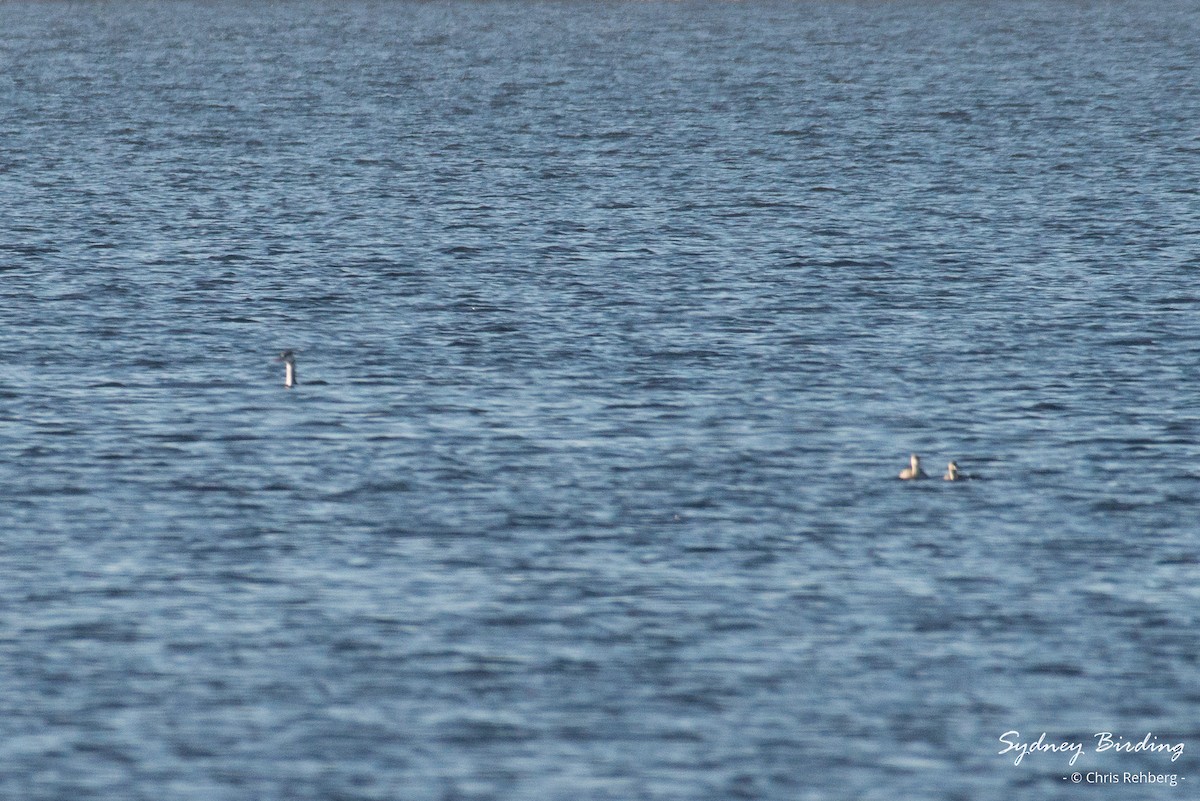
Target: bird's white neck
point(289, 375)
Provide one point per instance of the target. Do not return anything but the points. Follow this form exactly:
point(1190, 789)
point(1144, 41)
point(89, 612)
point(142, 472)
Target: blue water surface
point(614, 324)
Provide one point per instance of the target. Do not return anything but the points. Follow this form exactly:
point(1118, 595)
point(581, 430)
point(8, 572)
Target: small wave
point(22, 249)
point(956, 115)
point(462, 250)
point(1055, 669)
point(1046, 406)
point(1114, 505)
point(478, 730)
point(100, 630)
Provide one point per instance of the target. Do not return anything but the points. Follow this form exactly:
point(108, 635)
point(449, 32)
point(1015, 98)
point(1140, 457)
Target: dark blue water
point(615, 323)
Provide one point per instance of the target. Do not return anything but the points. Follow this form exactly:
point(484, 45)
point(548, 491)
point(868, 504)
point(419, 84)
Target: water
point(614, 323)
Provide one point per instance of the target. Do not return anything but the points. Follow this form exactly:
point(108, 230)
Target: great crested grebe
point(952, 473)
point(913, 470)
point(289, 368)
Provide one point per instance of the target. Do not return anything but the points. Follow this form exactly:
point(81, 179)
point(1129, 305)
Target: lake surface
point(614, 324)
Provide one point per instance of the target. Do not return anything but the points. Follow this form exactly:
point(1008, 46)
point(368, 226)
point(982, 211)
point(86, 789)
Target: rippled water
point(614, 322)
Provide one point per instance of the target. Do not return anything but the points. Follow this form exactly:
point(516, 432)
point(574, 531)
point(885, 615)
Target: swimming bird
point(952, 473)
point(289, 368)
point(913, 470)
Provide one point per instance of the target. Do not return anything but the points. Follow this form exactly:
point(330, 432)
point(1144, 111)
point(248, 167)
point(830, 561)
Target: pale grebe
point(913, 470)
point(289, 368)
point(952, 473)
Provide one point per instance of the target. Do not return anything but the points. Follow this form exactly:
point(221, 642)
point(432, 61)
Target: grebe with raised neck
point(289, 368)
point(952, 473)
point(913, 471)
